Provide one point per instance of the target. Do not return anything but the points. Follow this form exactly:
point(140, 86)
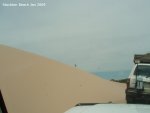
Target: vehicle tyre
point(130, 99)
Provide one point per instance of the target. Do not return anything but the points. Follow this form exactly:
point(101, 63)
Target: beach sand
point(35, 84)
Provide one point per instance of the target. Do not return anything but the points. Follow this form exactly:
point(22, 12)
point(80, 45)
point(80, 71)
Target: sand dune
point(34, 84)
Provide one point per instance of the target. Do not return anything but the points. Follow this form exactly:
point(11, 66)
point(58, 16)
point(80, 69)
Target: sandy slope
point(33, 84)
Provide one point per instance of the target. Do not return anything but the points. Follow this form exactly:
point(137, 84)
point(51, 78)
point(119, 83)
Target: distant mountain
point(116, 75)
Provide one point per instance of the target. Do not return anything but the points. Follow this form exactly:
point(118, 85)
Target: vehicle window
point(142, 70)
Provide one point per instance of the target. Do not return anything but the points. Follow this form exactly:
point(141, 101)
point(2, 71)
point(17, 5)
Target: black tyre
point(130, 99)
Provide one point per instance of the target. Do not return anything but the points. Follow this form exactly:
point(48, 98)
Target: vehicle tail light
point(128, 83)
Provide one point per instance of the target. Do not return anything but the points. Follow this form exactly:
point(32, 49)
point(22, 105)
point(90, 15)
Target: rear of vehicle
point(138, 84)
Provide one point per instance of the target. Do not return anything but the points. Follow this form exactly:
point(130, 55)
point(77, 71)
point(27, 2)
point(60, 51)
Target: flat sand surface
point(34, 84)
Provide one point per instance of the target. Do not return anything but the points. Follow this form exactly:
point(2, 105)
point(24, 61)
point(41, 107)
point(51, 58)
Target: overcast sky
point(97, 35)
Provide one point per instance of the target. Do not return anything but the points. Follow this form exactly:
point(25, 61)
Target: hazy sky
point(97, 35)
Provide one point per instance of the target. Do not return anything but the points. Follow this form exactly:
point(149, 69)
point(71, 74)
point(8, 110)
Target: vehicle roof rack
point(142, 58)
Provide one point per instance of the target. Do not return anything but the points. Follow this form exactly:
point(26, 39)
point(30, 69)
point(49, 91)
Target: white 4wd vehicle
point(138, 84)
